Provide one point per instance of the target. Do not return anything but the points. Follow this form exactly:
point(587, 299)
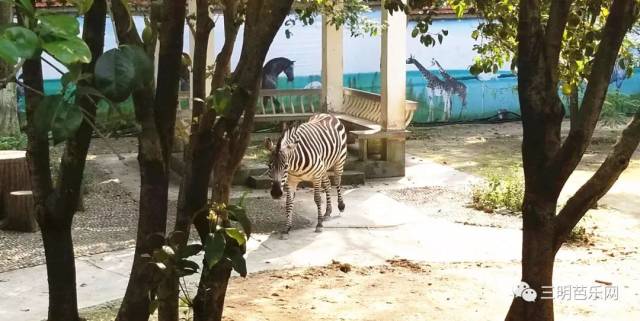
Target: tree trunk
point(156, 116)
point(9, 125)
point(55, 208)
point(8, 100)
point(20, 212)
point(538, 255)
point(61, 271)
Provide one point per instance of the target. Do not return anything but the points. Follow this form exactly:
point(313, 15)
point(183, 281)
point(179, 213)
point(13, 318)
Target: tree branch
point(600, 182)
point(622, 15)
point(556, 25)
point(75, 154)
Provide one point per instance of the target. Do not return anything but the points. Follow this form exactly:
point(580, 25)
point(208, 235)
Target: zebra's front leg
point(317, 197)
point(326, 185)
point(291, 195)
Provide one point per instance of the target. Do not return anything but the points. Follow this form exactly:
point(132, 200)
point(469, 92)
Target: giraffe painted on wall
point(435, 87)
point(454, 86)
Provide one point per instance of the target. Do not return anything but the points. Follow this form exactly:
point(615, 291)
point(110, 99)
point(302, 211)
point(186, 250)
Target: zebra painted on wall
point(306, 153)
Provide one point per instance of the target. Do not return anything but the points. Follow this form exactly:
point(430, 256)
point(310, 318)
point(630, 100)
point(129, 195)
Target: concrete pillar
point(332, 91)
point(393, 71)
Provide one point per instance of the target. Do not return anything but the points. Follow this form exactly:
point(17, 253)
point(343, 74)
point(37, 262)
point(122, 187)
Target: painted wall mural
point(437, 77)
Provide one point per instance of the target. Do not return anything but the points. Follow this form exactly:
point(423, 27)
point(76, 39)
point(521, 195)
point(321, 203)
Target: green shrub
point(17, 142)
point(504, 191)
point(579, 236)
point(617, 107)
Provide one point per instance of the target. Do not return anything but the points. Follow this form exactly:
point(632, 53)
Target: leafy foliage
point(499, 192)
point(351, 13)
point(17, 42)
point(581, 37)
point(17, 142)
point(616, 108)
point(58, 115)
point(224, 242)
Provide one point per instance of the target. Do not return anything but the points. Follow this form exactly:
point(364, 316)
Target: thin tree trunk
point(232, 136)
point(157, 118)
point(9, 125)
point(55, 209)
point(8, 100)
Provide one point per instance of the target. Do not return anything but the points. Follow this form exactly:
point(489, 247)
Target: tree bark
point(8, 100)
point(9, 125)
point(55, 207)
point(156, 115)
point(231, 137)
point(548, 161)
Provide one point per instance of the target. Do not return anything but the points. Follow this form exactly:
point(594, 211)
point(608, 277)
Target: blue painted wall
point(362, 66)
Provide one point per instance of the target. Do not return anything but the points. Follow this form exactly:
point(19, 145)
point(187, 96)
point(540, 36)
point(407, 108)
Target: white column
point(332, 91)
point(393, 70)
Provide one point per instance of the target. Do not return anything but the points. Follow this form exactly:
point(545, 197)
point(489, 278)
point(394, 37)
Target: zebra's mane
point(291, 134)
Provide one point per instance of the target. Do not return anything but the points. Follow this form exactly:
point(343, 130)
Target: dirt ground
point(403, 290)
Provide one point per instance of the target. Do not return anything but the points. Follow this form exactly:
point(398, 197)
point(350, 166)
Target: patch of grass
point(579, 236)
point(616, 108)
point(14, 142)
point(500, 191)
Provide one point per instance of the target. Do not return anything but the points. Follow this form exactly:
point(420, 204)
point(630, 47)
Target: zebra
point(307, 152)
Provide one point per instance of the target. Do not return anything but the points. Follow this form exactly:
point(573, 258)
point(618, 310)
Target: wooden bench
point(364, 115)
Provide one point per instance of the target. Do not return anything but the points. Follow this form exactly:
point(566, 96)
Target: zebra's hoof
point(318, 229)
point(341, 207)
point(284, 235)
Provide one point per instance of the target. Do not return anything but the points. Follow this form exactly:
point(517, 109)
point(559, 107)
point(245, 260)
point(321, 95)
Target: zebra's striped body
point(306, 153)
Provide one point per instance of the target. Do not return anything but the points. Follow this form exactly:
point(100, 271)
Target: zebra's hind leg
point(326, 185)
point(338, 180)
point(317, 197)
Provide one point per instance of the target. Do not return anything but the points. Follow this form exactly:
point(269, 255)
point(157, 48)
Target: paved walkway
point(373, 228)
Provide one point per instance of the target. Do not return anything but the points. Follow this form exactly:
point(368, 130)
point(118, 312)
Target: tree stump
point(20, 214)
point(14, 175)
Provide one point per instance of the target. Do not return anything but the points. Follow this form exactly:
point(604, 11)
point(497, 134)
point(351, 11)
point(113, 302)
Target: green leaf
point(142, 63)
point(214, 248)
point(24, 5)
point(57, 115)
point(239, 214)
point(24, 41)
point(45, 114)
point(66, 123)
point(8, 51)
point(188, 264)
point(238, 262)
point(221, 100)
point(115, 75)
point(189, 250)
point(59, 25)
point(236, 234)
point(69, 51)
point(176, 239)
point(71, 76)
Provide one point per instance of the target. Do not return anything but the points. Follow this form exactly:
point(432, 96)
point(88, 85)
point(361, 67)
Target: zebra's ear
point(268, 144)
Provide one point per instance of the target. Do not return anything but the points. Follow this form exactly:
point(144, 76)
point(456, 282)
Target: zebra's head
point(278, 165)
